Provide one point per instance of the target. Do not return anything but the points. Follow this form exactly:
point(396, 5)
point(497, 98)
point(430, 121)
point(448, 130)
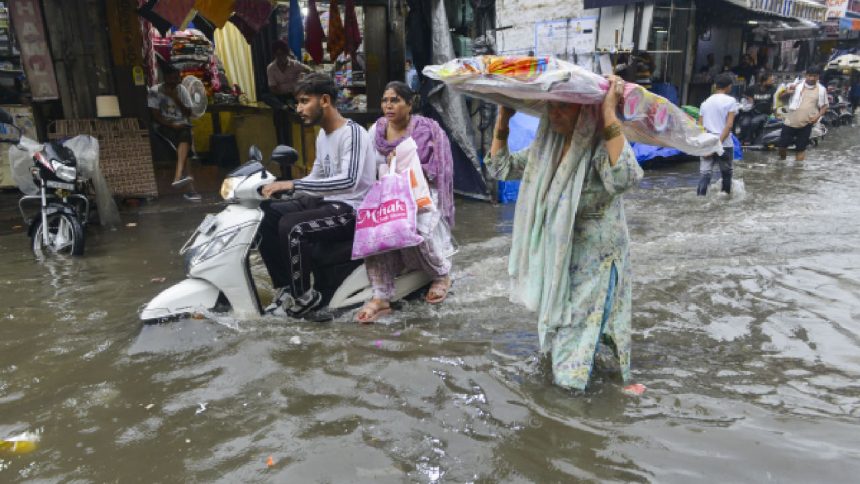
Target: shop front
point(230, 47)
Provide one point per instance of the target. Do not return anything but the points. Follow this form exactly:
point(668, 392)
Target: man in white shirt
point(323, 208)
point(717, 116)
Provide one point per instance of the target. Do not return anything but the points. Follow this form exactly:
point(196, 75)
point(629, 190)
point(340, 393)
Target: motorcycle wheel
point(65, 236)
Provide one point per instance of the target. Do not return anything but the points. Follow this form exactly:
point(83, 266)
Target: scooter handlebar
point(279, 193)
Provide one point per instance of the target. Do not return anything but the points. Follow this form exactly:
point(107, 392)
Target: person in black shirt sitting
point(761, 97)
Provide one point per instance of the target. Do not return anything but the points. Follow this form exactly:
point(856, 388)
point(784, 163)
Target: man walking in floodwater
point(569, 258)
point(807, 105)
point(717, 116)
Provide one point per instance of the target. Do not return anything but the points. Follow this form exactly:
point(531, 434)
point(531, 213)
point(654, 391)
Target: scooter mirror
point(285, 157)
point(254, 154)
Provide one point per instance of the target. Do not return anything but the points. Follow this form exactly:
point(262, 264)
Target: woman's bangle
point(611, 131)
point(502, 134)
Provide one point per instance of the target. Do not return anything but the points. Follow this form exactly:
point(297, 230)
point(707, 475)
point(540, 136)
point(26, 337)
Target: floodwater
point(746, 315)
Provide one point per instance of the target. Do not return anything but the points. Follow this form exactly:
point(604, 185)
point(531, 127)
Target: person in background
point(569, 258)
point(283, 73)
point(412, 77)
point(717, 116)
point(745, 70)
point(854, 93)
point(711, 69)
point(434, 151)
point(727, 64)
point(808, 103)
point(761, 96)
point(323, 209)
point(169, 106)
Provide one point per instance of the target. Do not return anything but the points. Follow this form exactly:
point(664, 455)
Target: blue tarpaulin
point(524, 129)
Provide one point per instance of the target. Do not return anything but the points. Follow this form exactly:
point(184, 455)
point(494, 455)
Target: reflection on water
point(746, 311)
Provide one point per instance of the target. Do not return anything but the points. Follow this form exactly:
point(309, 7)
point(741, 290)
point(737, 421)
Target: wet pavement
point(746, 315)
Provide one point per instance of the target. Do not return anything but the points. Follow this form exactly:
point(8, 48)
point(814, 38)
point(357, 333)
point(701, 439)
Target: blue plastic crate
point(508, 191)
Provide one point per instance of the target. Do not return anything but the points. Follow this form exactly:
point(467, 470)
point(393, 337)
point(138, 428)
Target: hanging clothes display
point(296, 34)
point(314, 33)
point(235, 55)
point(353, 32)
point(216, 11)
point(254, 12)
point(250, 16)
point(177, 12)
point(336, 40)
point(157, 21)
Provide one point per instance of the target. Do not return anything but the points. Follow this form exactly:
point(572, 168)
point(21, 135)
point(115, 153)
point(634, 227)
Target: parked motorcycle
point(59, 226)
point(769, 138)
point(217, 257)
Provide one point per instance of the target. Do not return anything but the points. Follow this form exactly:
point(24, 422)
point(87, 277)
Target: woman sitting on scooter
point(761, 97)
point(434, 151)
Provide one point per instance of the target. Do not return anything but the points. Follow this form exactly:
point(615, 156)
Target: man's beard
point(810, 84)
point(315, 118)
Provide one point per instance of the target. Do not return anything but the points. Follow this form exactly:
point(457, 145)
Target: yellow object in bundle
point(20, 444)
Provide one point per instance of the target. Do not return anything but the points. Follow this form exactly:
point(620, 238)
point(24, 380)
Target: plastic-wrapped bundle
point(528, 83)
point(86, 150)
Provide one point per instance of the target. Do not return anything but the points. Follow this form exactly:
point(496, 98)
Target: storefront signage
point(607, 3)
point(836, 8)
point(567, 39)
point(35, 56)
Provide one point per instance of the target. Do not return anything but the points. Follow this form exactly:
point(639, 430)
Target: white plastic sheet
point(86, 150)
point(528, 83)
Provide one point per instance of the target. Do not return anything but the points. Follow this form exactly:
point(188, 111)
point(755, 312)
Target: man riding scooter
point(323, 206)
point(761, 97)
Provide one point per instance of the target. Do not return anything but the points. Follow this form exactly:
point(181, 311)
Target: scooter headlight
point(63, 172)
point(216, 244)
point(228, 188)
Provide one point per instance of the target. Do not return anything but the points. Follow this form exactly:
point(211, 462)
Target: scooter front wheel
point(65, 235)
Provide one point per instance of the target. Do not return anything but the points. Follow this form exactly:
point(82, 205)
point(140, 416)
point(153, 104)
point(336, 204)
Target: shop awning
point(799, 9)
point(607, 3)
point(779, 30)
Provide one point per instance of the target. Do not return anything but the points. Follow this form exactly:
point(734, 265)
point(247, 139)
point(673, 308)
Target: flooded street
point(746, 333)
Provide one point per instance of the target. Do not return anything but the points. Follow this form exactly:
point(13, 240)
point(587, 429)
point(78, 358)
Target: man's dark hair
point(317, 84)
point(765, 74)
point(723, 81)
point(814, 70)
point(280, 45)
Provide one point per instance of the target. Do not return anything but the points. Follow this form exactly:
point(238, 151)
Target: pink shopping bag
point(386, 219)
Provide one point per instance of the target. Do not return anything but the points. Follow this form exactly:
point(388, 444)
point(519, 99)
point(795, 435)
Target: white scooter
point(217, 256)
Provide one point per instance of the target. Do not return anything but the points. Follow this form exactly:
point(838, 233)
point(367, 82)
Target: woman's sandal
point(372, 310)
point(438, 290)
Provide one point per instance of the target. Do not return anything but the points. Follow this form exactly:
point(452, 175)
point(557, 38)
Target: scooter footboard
point(188, 296)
